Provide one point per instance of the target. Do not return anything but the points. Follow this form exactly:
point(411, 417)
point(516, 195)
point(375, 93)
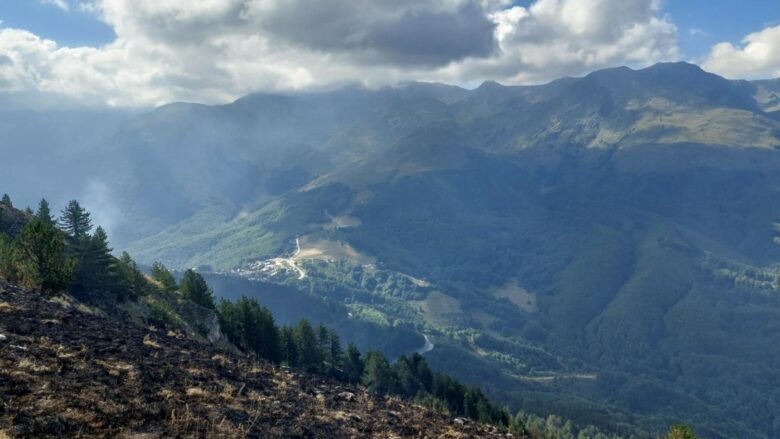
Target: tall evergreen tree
point(97, 272)
point(408, 384)
point(288, 346)
point(44, 213)
point(258, 329)
point(161, 274)
point(309, 354)
point(7, 263)
point(132, 281)
point(6, 201)
point(422, 371)
point(353, 365)
point(323, 346)
point(39, 259)
point(75, 222)
point(336, 355)
point(377, 375)
point(195, 288)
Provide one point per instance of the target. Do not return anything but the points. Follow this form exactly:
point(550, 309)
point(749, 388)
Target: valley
point(603, 247)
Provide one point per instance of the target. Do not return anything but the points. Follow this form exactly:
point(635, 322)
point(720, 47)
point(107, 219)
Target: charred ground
point(70, 371)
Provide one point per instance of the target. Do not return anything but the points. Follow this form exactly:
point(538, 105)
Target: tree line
point(58, 254)
point(319, 350)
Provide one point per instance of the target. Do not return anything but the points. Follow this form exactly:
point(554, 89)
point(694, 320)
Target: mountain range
point(603, 247)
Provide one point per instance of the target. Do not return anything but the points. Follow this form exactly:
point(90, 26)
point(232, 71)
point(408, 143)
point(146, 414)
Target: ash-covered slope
point(67, 372)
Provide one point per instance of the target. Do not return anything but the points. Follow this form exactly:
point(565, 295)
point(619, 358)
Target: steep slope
point(68, 372)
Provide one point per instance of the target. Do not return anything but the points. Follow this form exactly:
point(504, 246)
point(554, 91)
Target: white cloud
point(217, 50)
point(696, 32)
point(757, 57)
point(553, 38)
point(62, 4)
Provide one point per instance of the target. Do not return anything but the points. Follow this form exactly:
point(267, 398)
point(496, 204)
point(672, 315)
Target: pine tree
point(44, 213)
point(408, 385)
point(422, 371)
point(132, 281)
point(353, 365)
point(377, 376)
point(7, 264)
point(336, 355)
point(6, 201)
point(195, 288)
point(28, 210)
point(471, 403)
point(309, 355)
point(258, 329)
point(97, 272)
point(161, 274)
point(323, 346)
point(39, 259)
point(75, 222)
point(288, 346)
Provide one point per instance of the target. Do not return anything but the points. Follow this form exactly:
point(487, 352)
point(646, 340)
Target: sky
point(137, 53)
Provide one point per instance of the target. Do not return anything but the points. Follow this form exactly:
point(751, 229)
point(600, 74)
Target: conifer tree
point(7, 265)
point(96, 269)
point(6, 201)
point(75, 222)
point(323, 346)
point(353, 365)
point(258, 329)
point(28, 210)
point(422, 371)
point(288, 346)
point(377, 375)
point(132, 281)
point(39, 259)
point(161, 274)
point(44, 213)
point(336, 355)
point(195, 288)
point(309, 355)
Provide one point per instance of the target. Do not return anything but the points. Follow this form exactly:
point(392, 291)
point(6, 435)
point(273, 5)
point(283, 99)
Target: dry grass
point(31, 365)
point(148, 341)
point(197, 392)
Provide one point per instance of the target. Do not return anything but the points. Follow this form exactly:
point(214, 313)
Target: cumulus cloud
point(381, 31)
point(553, 38)
point(217, 50)
point(757, 57)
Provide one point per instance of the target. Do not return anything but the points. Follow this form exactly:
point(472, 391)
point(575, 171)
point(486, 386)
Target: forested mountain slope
point(604, 247)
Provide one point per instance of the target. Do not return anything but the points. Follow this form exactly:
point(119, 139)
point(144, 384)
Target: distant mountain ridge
point(604, 247)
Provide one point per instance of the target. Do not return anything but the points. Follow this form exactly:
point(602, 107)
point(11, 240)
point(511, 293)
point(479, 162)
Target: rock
point(2, 337)
point(346, 396)
point(459, 421)
point(321, 398)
